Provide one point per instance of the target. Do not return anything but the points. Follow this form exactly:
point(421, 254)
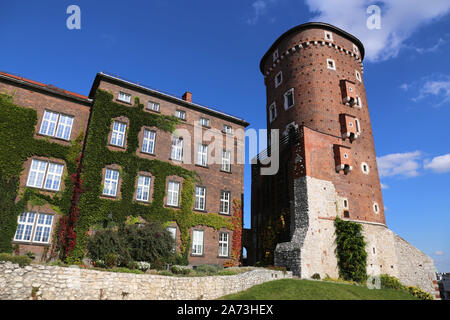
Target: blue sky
point(213, 49)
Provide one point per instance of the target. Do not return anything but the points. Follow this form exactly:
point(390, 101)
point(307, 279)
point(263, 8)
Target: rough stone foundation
point(312, 248)
point(57, 283)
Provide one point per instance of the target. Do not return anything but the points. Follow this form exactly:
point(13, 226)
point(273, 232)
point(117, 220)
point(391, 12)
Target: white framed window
point(25, 225)
point(376, 208)
point(180, 114)
point(43, 228)
point(275, 55)
point(358, 75)
point(197, 242)
point(202, 155)
point(331, 64)
point(44, 174)
point(227, 129)
point(365, 168)
point(224, 202)
point(226, 161)
point(111, 182)
point(204, 122)
point(154, 106)
point(173, 193)
point(143, 188)
point(289, 99)
point(328, 36)
point(124, 97)
point(355, 49)
point(148, 143)
point(173, 234)
point(200, 198)
point(118, 134)
point(278, 79)
point(177, 149)
point(359, 102)
point(223, 244)
point(56, 125)
point(272, 112)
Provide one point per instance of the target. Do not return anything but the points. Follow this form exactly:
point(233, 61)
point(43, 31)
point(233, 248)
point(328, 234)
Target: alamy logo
point(74, 20)
point(374, 20)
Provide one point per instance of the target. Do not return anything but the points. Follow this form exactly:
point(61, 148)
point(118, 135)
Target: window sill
point(176, 160)
point(173, 207)
point(148, 153)
point(126, 102)
point(200, 210)
point(109, 197)
point(201, 166)
point(229, 172)
point(223, 257)
point(224, 214)
point(52, 137)
point(30, 243)
point(116, 146)
point(155, 111)
point(43, 189)
point(198, 255)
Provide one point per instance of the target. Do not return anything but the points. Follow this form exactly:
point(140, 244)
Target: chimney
point(187, 96)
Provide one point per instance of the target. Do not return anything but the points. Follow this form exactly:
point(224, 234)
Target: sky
point(213, 49)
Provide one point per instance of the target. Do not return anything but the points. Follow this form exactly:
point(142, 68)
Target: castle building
point(317, 100)
point(120, 142)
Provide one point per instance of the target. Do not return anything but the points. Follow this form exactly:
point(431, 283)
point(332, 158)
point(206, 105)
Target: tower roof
point(311, 25)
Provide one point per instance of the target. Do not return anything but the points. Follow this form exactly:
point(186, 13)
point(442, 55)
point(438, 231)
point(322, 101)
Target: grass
point(293, 289)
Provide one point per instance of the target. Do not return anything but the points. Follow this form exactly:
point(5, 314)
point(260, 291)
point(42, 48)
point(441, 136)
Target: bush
point(208, 268)
point(180, 270)
point(150, 243)
point(277, 268)
point(419, 293)
point(316, 276)
point(20, 260)
point(143, 266)
point(388, 282)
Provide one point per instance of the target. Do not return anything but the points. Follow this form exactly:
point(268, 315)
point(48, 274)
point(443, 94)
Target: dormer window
point(278, 79)
point(350, 127)
point(342, 158)
point(331, 64)
point(272, 112)
point(289, 99)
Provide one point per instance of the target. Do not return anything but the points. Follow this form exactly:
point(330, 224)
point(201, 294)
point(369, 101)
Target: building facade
point(316, 100)
point(139, 153)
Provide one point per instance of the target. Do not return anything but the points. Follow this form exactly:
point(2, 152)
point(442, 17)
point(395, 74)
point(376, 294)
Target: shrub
point(20, 260)
point(419, 293)
point(112, 260)
point(208, 268)
point(143, 266)
point(180, 270)
point(388, 282)
point(277, 268)
point(150, 243)
point(316, 276)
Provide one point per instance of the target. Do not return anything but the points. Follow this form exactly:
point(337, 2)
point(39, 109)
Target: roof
point(49, 88)
point(311, 25)
point(167, 96)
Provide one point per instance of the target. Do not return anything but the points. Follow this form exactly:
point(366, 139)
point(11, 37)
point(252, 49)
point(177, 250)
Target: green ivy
point(94, 209)
point(17, 128)
point(351, 251)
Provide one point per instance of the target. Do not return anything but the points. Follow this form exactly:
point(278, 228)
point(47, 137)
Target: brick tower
point(317, 100)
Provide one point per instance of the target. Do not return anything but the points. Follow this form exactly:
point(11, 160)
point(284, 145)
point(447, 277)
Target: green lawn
point(292, 289)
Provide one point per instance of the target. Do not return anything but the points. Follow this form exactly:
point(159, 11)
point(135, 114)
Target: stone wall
point(312, 248)
point(58, 283)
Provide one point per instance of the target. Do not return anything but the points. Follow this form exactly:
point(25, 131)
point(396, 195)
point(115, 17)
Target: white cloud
point(402, 164)
point(439, 164)
point(399, 20)
point(405, 86)
point(434, 88)
point(260, 9)
point(439, 253)
point(384, 186)
point(433, 48)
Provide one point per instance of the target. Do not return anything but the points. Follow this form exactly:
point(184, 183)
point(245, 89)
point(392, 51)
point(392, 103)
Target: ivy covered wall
point(92, 209)
point(17, 128)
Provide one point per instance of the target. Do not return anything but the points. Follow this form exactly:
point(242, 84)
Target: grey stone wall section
point(57, 283)
point(312, 248)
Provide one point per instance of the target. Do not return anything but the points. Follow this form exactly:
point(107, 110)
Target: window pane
point(111, 182)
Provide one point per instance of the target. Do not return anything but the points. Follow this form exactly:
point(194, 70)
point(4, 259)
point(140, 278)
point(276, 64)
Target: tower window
point(365, 168)
point(278, 79)
point(331, 64)
point(355, 49)
point(358, 75)
point(275, 55)
point(289, 99)
point(272, 112)
point(345, 203)
point(376, 208)
point(328, 36)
